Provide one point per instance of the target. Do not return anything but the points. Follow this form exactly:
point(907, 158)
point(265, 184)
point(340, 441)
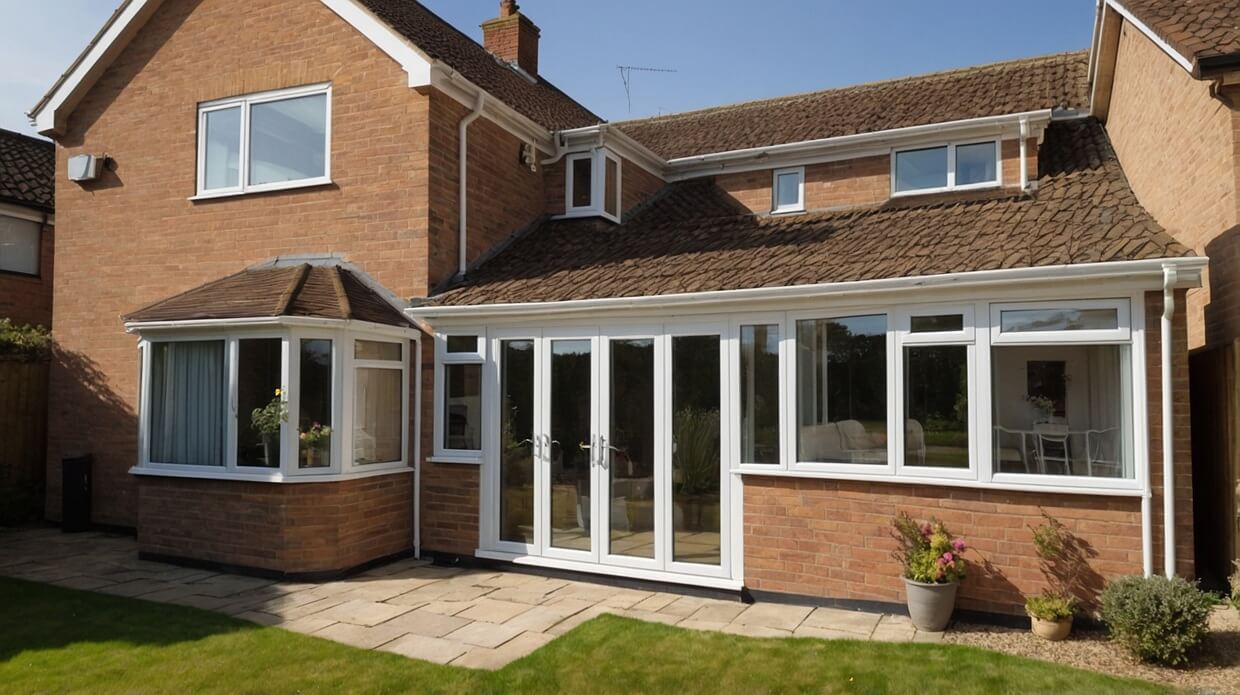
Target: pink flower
point(948, 557)
point(926, 530)
point(958, 545)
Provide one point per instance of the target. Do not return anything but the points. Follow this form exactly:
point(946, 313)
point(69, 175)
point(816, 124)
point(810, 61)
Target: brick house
point(719, 348)
point(27, 220)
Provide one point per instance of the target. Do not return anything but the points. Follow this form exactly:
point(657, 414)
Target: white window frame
point(1122, 333)
point(245, 103)
point(440, 451)
point(343, 402)
point(598, 184)
point(951, 167)
point(799, 206)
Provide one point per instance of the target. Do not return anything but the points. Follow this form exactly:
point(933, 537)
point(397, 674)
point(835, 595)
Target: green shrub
point(25, 341)
point(1052, 607)
point(1157, 619)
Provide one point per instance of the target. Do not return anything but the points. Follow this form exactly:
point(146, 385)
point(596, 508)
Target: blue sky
point(723, 51)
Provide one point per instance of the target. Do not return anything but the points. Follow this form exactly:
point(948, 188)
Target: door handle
point(604, 453)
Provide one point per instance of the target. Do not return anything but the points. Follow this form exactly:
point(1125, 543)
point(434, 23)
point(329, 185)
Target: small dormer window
point(950, 167)
point(592, 187)
point(788, 190)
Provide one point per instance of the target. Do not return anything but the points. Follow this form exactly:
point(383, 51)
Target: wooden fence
point(1215, 381)
point(23, 438)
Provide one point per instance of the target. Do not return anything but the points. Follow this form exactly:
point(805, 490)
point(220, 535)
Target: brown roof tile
point(329, 292)
point(538, 100)
point(27, 170)
point(694, 238)
point(1196, 29)
point(988, 90)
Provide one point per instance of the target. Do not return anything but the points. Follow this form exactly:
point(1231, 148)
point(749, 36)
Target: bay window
point(185, 402)
point(592, 185)
point(378, 402)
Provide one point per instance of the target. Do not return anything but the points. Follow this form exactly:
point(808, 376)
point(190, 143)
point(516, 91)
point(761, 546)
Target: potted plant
point(314, 441)
point(266, 421)
point(1061, 561)
point(1044, 406)
point(695, 467)
point(933, 567)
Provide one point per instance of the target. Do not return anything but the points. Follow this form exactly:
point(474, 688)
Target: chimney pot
point(508, 8)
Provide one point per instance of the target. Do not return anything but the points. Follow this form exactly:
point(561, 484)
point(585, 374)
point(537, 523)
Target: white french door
point(608, 448)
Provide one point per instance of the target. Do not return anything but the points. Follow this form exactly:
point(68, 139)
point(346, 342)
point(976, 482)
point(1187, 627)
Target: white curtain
point(377, 412)
point(1104, 387)
point(187, 403)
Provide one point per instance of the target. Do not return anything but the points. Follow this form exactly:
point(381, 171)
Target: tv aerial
point(626, 76)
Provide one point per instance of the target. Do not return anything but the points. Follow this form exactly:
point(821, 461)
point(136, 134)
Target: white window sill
point(448, 458)
point(269, 188)
point(788, 211)
point(1054, 484)
point(586, 212)
point(989, 185)
point(198, 472)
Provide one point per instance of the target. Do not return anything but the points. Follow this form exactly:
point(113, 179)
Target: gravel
point(1214, 669)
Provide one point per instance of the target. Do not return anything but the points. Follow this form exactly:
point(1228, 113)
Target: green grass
point(58, 640)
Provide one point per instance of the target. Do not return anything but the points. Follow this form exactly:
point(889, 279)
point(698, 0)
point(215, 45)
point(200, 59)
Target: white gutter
point(462, 199)
point(1189, 268)
point(1168, 428)
point(1024, 155)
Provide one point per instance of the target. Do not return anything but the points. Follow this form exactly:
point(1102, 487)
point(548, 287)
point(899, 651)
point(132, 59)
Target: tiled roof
point(27, 170)
point(538, 100)
point(329, 292)
point(988, 90)
point(1194, 28)
point(693, 238)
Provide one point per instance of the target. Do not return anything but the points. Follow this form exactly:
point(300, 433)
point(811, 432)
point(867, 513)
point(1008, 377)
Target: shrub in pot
point(1051, 615)
point(1157, 619)
point(1062, 560)
point(933, 568)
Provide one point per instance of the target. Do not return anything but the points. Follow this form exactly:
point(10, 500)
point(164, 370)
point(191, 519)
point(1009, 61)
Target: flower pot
point(271, 449)
point(930, 606)
point(1052, 630)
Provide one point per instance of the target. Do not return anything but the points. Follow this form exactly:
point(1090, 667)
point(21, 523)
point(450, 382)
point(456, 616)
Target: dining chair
point(1101, 450)
point(1003, 454)
point(1052, 446)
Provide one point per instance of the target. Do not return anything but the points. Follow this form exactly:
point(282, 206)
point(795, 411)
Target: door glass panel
point(261, 406)
point(570, 431)
point(695, 449)
point(631, 448)
point(516, 421)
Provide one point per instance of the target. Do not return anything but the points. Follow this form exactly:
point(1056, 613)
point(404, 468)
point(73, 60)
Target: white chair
point(1052, 445)
point(1102, 452)
point(914, 442)
point(1003, 454)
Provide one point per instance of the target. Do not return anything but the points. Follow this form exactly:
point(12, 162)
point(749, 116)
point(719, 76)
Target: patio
point(465, 617)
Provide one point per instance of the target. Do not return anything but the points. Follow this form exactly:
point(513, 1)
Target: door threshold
point(654, 576)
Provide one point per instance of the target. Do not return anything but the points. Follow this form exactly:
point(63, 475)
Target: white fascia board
point(455, 85)
point(143, 327)
point(90, 64)
point(1189, 271)
point(415, 63)
point(849, 146)
point(614, 139)
point(1149, 33)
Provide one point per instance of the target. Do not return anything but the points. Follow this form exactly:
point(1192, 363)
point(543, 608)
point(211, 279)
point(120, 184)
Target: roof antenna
point(626, 76)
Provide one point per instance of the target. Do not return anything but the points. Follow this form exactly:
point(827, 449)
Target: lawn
point(59, 640)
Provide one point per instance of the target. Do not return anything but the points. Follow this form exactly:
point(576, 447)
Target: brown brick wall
point(850, 182)
point(1177, 146)
point(28, 299)
point(832, 538)
point(302, 527)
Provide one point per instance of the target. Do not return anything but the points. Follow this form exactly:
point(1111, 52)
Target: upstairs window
point(264, 142)
point(19, 245)
point(788, 190)
point(592, 185)
point(955, 166)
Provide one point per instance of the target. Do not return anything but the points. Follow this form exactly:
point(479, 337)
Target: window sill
point(197, 472)
point(468, 460)
point(271, 188)
point(989, 185)
point(788, 211)
point(1126, 488)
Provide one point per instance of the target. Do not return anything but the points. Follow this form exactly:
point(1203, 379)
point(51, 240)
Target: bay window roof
point(272, 290)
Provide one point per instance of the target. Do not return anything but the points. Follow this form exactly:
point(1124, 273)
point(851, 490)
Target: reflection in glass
point(258, 381)
point(939, 323)
point(917, 169)
point(611, 186)
point(376, 350)
point(582, 177)
point(695, 449)
point(288, 139)
point(1028, 320)
point(376, 415)
point(842, 390)
point(462, 407)
point(759, 382)
point(570, 432)
point(975, 163)
point(630, 447)
point(222, 158)
point(788, 191)
point(462, 343)
point(936, 406)
point(516, 423)
point(314, 398)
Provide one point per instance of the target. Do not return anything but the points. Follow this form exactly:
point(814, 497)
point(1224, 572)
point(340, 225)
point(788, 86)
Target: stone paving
point(477, 618)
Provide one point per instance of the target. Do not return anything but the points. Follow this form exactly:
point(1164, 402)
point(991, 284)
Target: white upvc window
point(592, 185)
point(336, 402)
point(788, 190)
point(954, 166)
point(264, 142)
point(458, 420)
point(759, 363)
point(20, 245)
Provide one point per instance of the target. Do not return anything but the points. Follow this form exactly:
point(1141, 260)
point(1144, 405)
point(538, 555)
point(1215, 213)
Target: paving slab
point(483, 634)
point(361, 636)
point(839, 619)
point(360, 612)
point(537, 619)
point(440, 651)
point(491, 611)
point(718, 611)
point(778, 616)
point(427, 623)
point(754, 630)
point(521, 645)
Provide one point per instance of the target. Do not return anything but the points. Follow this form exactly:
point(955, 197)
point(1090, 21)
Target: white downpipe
point(462, 195)
point(1147, 530)
point(417, 449)
point(1024, 155)
point(1168, 452)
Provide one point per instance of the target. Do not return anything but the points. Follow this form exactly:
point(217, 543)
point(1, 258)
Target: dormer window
point(950, 167)
point(788, 190)
point(265, 141)
point(592, 188)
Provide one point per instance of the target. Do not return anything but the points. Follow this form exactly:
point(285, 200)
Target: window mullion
point(243, 167)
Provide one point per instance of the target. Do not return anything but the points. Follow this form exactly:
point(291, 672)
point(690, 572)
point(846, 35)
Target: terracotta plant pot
point(1052, 630)
point(930, 605)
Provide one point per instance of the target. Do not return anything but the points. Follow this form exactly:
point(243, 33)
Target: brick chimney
point(512, 37)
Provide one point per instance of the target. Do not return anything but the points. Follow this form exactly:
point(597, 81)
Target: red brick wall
point(832, 538)
point(513, 39)
point(28, 299)
point(293, 527)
